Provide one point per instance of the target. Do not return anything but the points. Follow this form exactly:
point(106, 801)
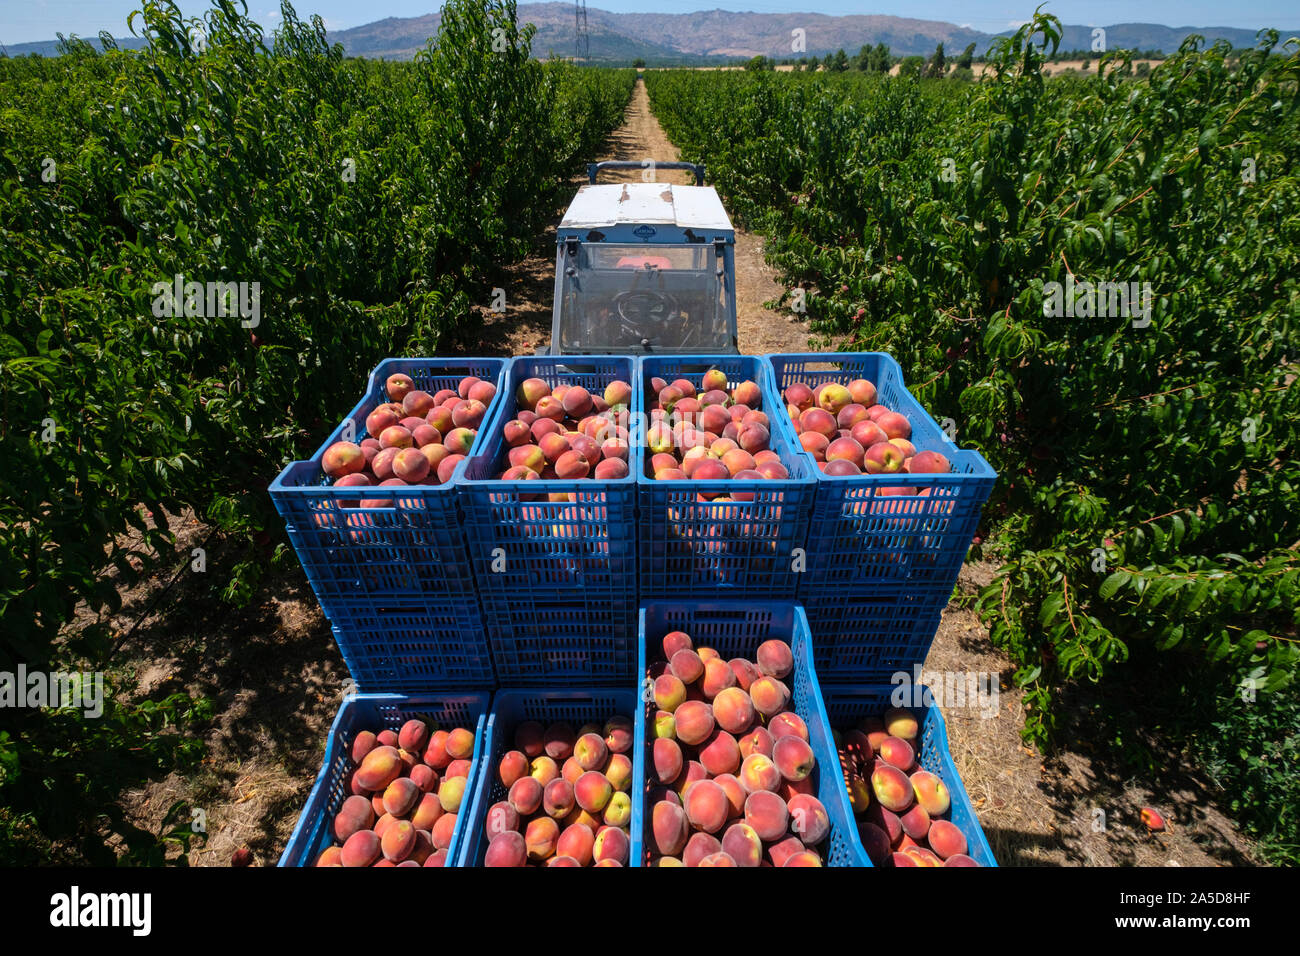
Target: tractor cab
point(644, 268)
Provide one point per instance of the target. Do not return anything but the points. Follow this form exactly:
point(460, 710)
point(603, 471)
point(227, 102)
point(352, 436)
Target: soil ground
point(277, 678)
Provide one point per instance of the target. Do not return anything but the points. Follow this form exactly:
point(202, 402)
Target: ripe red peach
point(793, 757)
point(788, 724)
point(758, 772)
point(558, 741)
point(618, 734)
point(699, 846)
point(398, 841)
point(770, 696)
point(687, 666)
point(398, 385)
point(611, 846)
point(576, 401)
point(783, 850)
point(618, 812)
point(362, 744)
point(355, 814)
point(540, 837)
point(718, 676)
point(894, 425)
point(669, 828)
point(834, 397)
point(747, 393)
point(693, 771)
point(694, 721)
point(532, 391)
point(758, 740)
point(867, 433)
point(815, 444)
point(905, 446)
point(525, 796)
point(665, 725)
point(735, 791)
point(808, 818)
point(915, 822)
point(530, 738)
point(380, 767)
point(774, 658)
point(928, 463)
point(733, 710)
point(361, 849)
point(507, 848)
point(593, 791)
point(745, 671)
point(343, 458)
point(803, 858)
point(897, 752)
point(382, 463)
point(931, 793)
point(401, 796)
point(766, 812)
point(427, 812)
point(619, 772)
point(590, 751)
point(576, 841)
point(611, 469)
point(706, 806)
point(557, 798)
point(513, 766)
point(742, 843)
point(892, 788)
point(668, 760)
point(380, 419)
point(720, 754)
point(543, 769)
point(959, 859)
point(882, 458)
point(675, 641)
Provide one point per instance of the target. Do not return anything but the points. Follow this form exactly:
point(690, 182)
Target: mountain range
point(718, 36)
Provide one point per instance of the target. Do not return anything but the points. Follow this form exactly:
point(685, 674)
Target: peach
point(506, 849)
point(693, 771)
point(396, 436)
point(382, 463)
point(543, 769)
point(715, 379)
point(532, 391)
point(733, 710)
point(668, 759)
point(543, 427)
point(619, 772)
point(847, 450)
point(618, 392)
point(528, 456)
point(946, 839)
point(590, 751)
point(706, 805)
point(758, 740)
point(380, 767)
point(957, 859)
point(618, 734)
point(553, 446)
point(770, 696)
point(330, 856)
point(758, 772)
point(767, 814)
point(710, 469)
point(576, 841)
point(401, 796)
point(901, 722)
point(834, 397)
point(720, 754)
point(540, 837)
point(687, 666)
point(413, 736)
point(380, 419)
point(516, 432)
point(398, 841)
point(513, 766)
point(928, 463)
point(814, 444)
point(481, 392)
point(424, 777)
point(675, 641)
point(611, 846)
point(525, 796)
point(808, 819)
point(882, 458)
point(398, 385)
point(572, 466)
point(931, 793)
point(915, 822)
point(411, 466)
point(427, 812)
point(611, 469)
point(665, 725)
point(443, 831)
point(593, 791)
point(343, 458)
point(447, 467)
point(905, 446)
point(459, 441)
point(713, 419)
point(774, 658)
point(753, 437)
point(362, 744)
point(747, 393)
point(867, 433)
point(355, 814)
point(699, 846)
point(895, 425)
point(669, 693)
point(460, 744)
point(862, 391)
point(618, 812)
point(452, 793)
point(819, 422)
point(557, 798)
point(793, 757)
point(694, 721)
point(783, 850)
point(718, 676)
point(803, 858)
point(669, 828)
point(571, 770)
point(457, 768)
point(530, 738)
point(891, 787)
point(735, 792)
point(440, 418)
point(888, 821)
point(897, 752)
point(361, 849)
point(558, 741)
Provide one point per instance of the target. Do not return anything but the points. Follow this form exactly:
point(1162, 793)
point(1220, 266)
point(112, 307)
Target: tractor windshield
point(643, 297)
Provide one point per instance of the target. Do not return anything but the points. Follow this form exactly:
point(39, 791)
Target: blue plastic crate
point(577, 706)
point(411, 552)
point(736, 629)
point(847, 704)
point(557, 579)
point(696, 548)
point(870, 637)
point(375, 712)
point(860, 539)
point(413, 647)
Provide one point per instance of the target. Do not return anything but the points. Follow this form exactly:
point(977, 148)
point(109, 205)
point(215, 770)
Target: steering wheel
point(641, 309)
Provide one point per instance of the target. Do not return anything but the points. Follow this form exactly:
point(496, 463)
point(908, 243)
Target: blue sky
point(26, 20)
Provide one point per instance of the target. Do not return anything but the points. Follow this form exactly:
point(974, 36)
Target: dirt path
point(276, 677)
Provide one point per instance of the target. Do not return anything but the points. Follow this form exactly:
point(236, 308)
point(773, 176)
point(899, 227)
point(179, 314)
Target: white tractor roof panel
point(612, 204)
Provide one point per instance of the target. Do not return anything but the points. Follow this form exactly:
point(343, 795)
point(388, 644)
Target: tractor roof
point(608, 205)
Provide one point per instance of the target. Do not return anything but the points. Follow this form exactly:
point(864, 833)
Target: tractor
point(644, 268)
